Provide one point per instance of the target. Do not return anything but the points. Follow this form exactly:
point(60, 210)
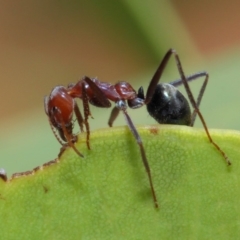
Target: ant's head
point(59, 107)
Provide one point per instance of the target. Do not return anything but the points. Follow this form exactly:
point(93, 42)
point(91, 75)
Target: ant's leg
point(55, 134)
point(113, 116)
point(195, 76)
point(190, 78)
point(199, 99)
point(86, 113)
point(121, 105)
point(143, 154)
point(78, 116)
point(68, 137)
point(194, 104)
point(156, 77)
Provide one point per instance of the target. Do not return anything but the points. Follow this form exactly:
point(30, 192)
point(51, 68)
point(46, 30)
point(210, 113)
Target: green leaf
point(106, 194)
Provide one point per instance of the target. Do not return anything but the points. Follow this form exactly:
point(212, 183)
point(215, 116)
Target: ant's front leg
point(70, 138)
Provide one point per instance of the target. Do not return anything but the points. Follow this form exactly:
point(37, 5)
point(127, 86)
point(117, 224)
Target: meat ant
point(61, 105)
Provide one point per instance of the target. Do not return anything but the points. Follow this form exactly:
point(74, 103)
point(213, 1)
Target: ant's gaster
point(61, 105)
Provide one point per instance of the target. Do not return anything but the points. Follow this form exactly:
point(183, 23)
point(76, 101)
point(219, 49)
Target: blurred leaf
point(106, 194)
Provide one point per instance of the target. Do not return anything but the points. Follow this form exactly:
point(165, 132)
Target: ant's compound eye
point(54, 109)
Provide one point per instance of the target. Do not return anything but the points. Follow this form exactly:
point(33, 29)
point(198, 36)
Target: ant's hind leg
point(190, 78)
point(156, 77)
point(199, 99)
point(194, 105)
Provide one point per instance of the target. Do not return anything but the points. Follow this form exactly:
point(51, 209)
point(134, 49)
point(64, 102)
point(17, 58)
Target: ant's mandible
point(60, 106)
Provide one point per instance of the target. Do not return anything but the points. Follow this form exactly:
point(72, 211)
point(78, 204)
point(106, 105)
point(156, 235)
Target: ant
point(61, 105)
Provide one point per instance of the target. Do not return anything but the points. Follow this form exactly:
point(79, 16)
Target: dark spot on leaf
point(154, 130)
point(45, 188)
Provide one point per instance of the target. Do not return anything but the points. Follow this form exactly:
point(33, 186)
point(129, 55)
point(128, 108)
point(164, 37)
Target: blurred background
point(48, 43)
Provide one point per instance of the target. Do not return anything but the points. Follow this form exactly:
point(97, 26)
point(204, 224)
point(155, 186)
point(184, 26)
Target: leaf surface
point(106, 194)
